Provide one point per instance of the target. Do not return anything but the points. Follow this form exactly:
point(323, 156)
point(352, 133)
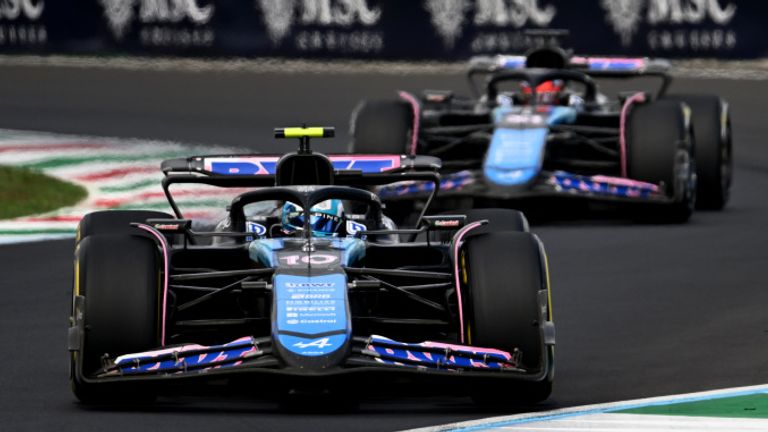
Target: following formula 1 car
point(324, 293)
point(539, 126)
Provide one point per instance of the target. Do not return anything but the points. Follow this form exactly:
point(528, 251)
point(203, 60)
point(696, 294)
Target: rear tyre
point(381, 127)
point(507, 274)
point(660, 150)
point(714, 149)
point(115, 222)
point(119, 276)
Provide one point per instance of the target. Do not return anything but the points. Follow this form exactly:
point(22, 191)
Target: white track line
point(643, 423)
point(696, 68)
point(527, 418)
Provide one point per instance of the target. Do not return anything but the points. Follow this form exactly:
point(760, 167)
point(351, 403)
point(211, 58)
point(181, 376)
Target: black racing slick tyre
point(661, 150)
point(116, 306)
point(115, 222)
point(381, 127)
point(507, 278)
point(714, 149)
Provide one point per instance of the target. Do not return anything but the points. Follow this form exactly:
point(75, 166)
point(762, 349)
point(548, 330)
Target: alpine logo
point(318, 343)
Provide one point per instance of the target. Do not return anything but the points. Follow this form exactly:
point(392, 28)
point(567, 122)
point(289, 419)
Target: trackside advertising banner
point(381, 29)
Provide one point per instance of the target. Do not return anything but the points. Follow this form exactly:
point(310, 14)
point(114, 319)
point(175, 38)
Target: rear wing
point(265, 166)
point(618, 65)
point(598, 67)
point(238, 171)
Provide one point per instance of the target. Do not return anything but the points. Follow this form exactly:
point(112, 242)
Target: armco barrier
point(381, 29)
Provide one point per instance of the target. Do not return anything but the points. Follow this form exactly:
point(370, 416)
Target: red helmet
point(547, 92)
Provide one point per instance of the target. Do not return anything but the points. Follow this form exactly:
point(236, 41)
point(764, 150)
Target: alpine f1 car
point(322, 293)
point(538, 125)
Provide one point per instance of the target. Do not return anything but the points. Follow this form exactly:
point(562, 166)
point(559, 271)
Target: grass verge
point(26, 192)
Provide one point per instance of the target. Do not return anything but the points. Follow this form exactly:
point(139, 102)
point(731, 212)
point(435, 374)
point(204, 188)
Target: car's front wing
point(557, 183)
point(250, 354)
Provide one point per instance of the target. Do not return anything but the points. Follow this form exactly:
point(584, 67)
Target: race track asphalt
point(640, 310)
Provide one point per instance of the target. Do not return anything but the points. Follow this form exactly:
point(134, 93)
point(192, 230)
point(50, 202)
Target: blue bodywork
point(516, 152)
point(311, 313)
point(311, 316)
point(311, 323)
point(616, 64)
point(266, 251)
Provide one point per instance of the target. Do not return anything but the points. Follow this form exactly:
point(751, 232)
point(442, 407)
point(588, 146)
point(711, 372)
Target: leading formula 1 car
point(322, 293)
point(539, 126)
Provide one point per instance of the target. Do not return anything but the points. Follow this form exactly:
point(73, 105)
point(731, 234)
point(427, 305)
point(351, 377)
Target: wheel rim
point(685, 177)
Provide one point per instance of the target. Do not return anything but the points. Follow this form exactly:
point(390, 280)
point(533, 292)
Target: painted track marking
point(527, 419)
point(117, 173)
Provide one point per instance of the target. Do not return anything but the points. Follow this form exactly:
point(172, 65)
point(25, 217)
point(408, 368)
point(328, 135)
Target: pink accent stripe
point(119, 172)
point(456, 245)
point(256, 160)
point(48, 147)
point(625, 182)
point(454, 347)
point(635, 98)
point(160, 238)
point(416, 120)
point(581, 60)
point(182, 348)
point(395, 159)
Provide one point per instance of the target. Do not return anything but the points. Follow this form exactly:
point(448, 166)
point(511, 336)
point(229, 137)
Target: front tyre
point(509, 308)
point(661, 150)
point(714, 149)
point(119, 278)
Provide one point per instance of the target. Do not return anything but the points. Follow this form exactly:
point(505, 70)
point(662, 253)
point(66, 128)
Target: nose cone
point(311, 325)
point(515, 156)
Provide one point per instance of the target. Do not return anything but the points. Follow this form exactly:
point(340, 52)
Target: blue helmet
point(325, 218)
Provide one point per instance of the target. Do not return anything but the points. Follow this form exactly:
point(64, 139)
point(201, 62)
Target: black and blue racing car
point(305, 283)
point(539, 126)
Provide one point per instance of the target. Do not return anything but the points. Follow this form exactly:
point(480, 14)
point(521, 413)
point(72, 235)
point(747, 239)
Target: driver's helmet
point(548, 93)
point(325, 218)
